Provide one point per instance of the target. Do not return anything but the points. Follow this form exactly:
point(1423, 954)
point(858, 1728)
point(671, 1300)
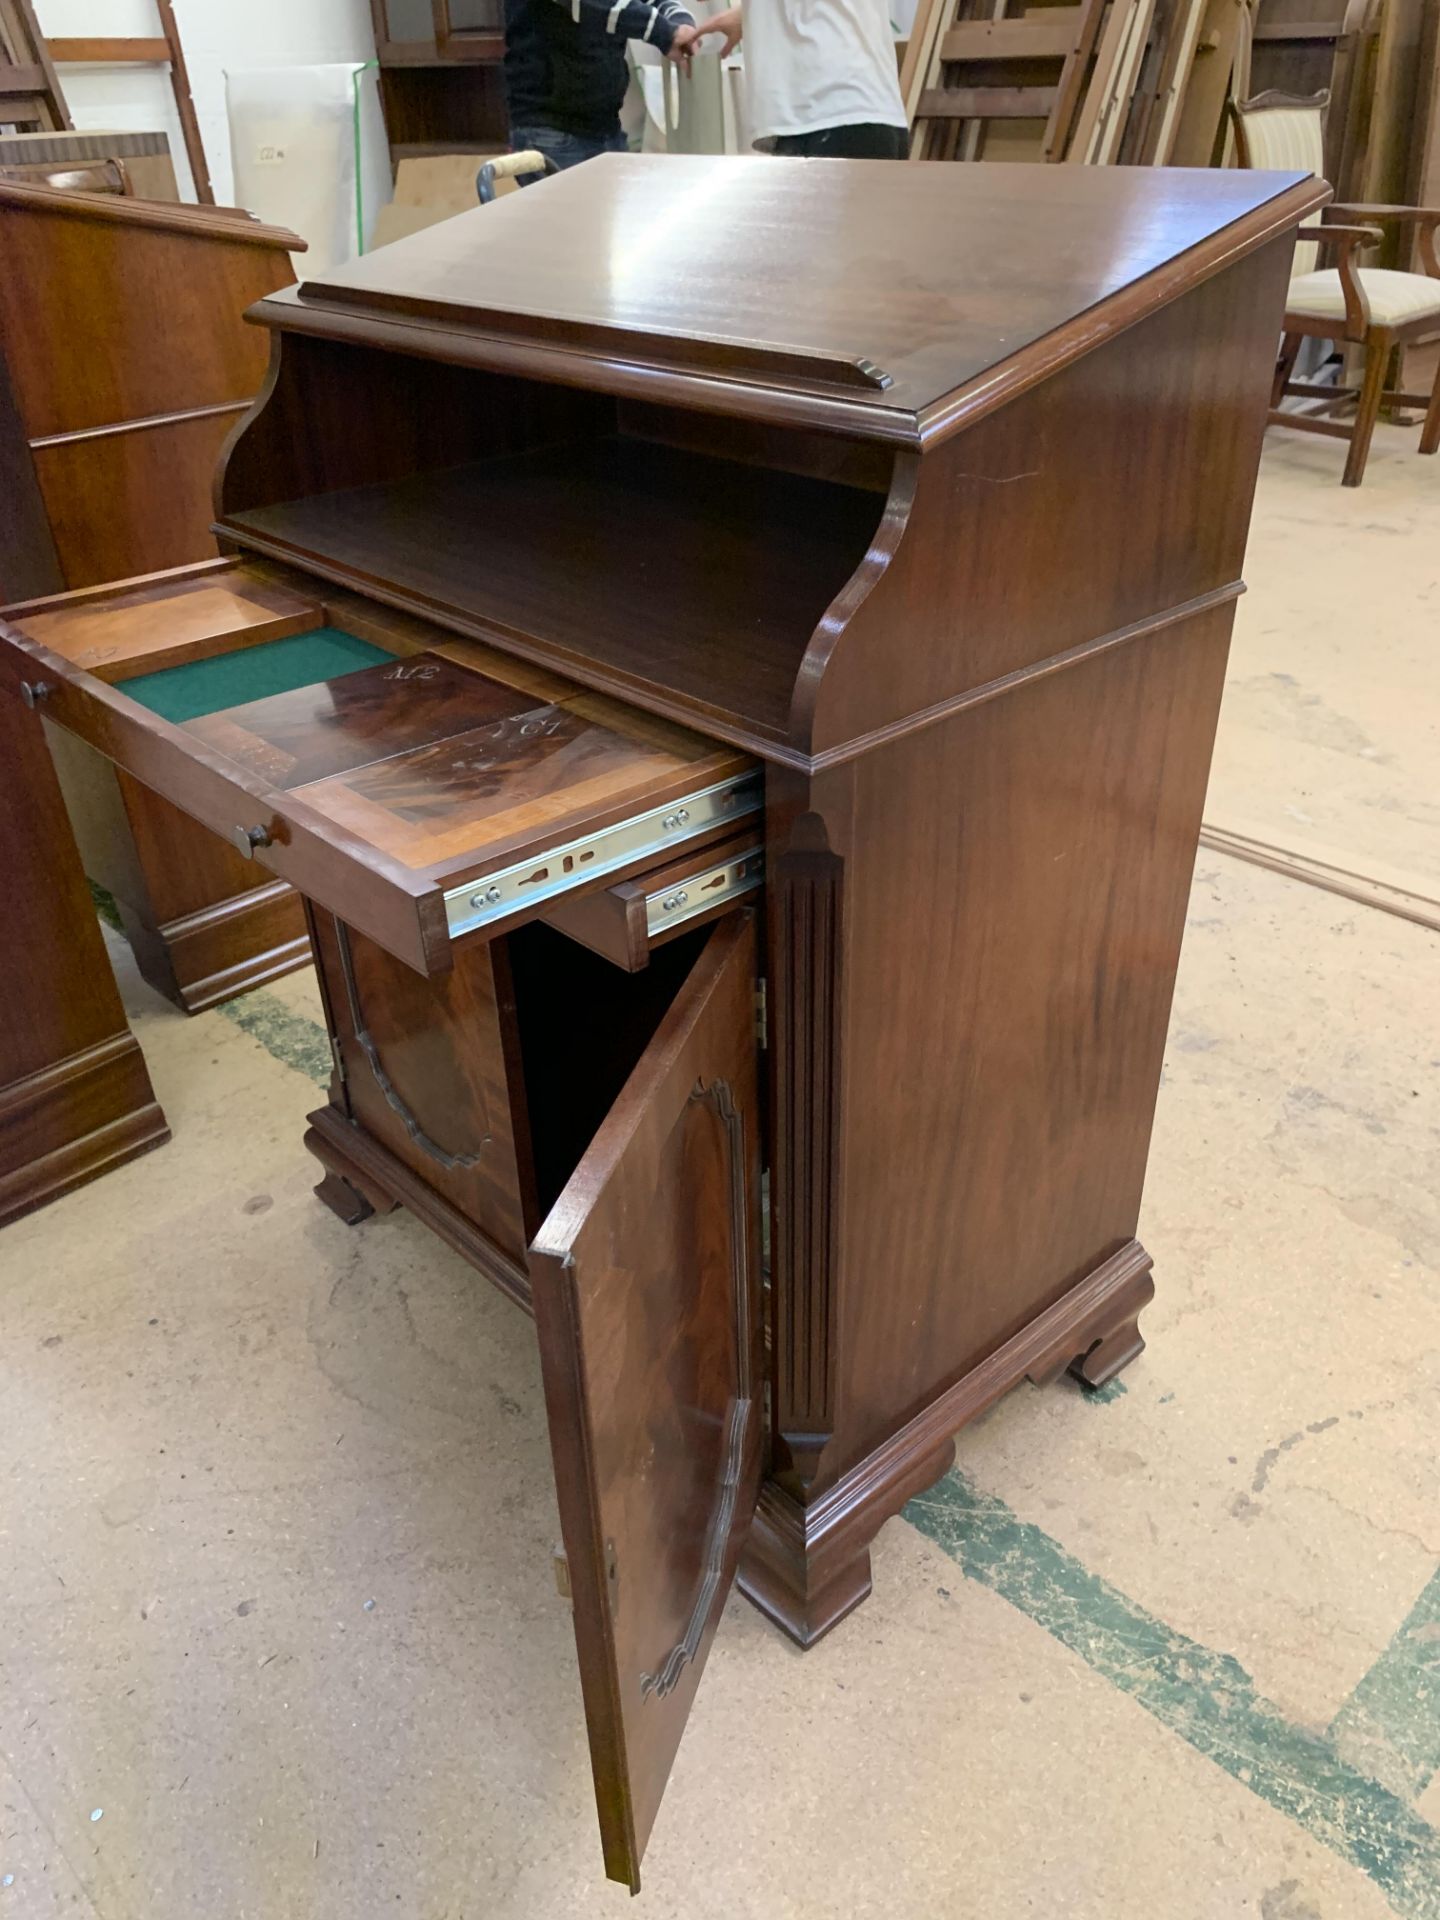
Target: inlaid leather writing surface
point(430, 763)
point(647, 1304)
point(293, 738)
point(544, 769)
point(237, 678)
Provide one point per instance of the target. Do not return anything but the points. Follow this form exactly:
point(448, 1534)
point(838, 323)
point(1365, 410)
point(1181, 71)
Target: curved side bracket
point(819, 656)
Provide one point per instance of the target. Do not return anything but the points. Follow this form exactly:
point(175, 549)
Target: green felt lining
point(252, 673)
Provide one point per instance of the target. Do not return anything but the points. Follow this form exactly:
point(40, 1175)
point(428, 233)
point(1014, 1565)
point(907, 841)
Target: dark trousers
point(867, 141)
point(563, 149)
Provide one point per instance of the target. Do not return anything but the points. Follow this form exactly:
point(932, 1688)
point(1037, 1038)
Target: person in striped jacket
point(566, 72)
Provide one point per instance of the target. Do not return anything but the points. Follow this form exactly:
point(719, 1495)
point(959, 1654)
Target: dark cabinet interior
point(440, 75)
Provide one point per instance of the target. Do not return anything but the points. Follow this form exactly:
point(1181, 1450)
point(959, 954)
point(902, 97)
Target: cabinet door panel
point(647, 1300)
point(427, 1072)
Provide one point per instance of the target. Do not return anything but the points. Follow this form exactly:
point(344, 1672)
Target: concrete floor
point(279, 1639)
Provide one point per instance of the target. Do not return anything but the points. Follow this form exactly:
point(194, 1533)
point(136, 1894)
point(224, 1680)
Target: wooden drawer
point(426, 789)
point(628, 921)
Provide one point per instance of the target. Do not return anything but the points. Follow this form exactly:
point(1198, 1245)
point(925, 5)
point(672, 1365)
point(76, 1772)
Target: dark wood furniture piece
point(144, 156)
point(918, 598)
point(441, 86)
point(75, 1096)
point(1382, 310)
point(124, 363)
point(90, 176)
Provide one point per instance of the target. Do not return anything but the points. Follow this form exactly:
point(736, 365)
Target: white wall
point(217, 35)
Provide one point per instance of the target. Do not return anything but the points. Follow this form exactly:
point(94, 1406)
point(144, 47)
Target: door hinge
point(762, 1003)
point(560, 1564)
point(338, 1061)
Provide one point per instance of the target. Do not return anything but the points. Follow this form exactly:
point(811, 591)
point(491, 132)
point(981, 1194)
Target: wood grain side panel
point(203, 923)
point(29, 564)
point(132, 319)
point(127, 503)
point(305, 435)
point(426, 1072)
point(1117, 490)
point(61, 996)
point(1015, 898)
point(74, 1093)
point(242, 942)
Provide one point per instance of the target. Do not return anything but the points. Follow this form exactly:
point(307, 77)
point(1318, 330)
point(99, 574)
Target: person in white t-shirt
point(820, 76)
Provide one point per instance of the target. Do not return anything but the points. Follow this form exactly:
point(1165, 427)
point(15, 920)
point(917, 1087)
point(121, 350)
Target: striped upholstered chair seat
point(1394, 298)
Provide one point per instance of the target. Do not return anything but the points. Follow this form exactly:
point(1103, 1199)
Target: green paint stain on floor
point(1107, 1395)
point(1206, 1698)
point(1390, 1725)
point(293, 1039)
point(104, 904)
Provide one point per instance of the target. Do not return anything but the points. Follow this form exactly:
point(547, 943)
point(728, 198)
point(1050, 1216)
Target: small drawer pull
point(32, 692)
point(248, 839)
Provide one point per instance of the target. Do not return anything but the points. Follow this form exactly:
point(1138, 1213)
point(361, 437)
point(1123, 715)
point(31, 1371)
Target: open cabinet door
point(647, 1302)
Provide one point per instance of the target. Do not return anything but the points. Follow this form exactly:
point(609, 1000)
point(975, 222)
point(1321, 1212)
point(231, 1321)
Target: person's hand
point(682, 45)
point(728, 23)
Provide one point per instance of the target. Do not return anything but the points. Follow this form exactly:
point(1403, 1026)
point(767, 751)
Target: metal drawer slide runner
point(533, 882)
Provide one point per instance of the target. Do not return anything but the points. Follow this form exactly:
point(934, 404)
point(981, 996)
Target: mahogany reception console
point(728, 651)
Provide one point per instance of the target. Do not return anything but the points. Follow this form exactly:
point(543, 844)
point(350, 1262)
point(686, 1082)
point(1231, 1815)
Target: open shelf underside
point(702, 579)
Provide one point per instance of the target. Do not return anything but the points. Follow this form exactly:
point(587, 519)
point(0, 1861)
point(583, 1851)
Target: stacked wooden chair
point(1382, 310)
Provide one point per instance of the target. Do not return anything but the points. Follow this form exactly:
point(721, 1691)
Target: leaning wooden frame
point(976, 66)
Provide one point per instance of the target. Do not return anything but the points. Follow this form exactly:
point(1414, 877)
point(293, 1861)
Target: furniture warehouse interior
point(719, 1126)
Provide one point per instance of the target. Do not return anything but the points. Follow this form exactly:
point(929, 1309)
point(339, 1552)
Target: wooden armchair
point(1379, 308)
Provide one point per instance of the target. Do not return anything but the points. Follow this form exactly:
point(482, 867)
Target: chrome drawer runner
point(534, 882)
point(673, 906)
